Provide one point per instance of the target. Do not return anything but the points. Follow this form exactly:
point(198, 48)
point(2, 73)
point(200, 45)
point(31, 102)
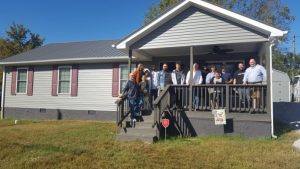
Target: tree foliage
point(286, 63)
point(156, 9)
point(19, 39)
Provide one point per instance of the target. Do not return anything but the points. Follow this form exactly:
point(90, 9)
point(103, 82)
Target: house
point(63, 81)
point(80, 80)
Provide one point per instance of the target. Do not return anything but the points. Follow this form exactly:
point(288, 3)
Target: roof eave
point(65, 61)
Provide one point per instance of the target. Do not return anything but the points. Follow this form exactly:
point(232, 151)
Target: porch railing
point(122, 111)
point(233, 98)
point(242, 98)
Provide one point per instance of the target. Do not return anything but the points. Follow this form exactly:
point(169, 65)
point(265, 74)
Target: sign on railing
point(220, 116)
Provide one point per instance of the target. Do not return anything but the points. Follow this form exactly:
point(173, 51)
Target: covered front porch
point(177, 102)
point(228, 55)
point(196, 31)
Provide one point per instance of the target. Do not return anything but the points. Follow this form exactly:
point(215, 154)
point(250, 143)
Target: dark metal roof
point(101, 49)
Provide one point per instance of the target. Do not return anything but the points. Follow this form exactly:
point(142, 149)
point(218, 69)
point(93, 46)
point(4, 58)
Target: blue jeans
point(132, 103)
point(153, 95)
point(139, 104)
point(195, 101)
point(135, 106)
point(244, 95)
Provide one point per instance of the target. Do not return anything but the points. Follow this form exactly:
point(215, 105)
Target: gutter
point(79, 60)
point(271, 89)
point(3, 92)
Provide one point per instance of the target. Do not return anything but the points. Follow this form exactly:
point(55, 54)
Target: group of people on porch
point(144, 85)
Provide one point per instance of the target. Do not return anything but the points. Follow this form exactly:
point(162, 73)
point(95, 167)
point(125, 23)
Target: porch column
point(129, 61)
point(269, 77)
point(3, 91)
point(191, 78)
point(269, 66)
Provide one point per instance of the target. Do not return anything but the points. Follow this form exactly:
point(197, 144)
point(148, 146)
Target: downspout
point(271, 89)
point(3, 92)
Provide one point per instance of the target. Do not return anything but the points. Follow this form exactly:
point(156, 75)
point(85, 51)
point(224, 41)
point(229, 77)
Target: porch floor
point(235, 116)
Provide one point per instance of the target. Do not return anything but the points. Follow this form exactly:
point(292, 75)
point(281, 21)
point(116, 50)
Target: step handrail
point(122, 110)
point(161, 104)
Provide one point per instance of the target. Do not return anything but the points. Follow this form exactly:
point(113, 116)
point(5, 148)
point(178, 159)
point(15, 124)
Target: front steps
point(143, 130)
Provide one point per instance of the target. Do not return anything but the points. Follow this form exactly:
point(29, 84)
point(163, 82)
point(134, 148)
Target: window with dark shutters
point(115, 80)
point(30, 81)
point(74, 83)
point(54, 80)
point(13, 80)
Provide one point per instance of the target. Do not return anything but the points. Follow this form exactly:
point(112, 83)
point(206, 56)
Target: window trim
point(70, 85)
point(120, 72)
point(17, 75)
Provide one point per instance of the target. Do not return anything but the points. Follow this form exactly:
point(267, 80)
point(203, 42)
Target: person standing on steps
point(143, 99)
point(131, 91)
point(138, 73)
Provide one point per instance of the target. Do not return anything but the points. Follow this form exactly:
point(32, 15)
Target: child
point(217, 91)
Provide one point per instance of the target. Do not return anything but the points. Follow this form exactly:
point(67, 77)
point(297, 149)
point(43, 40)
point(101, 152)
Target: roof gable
point(242, 20)
point(195, 27)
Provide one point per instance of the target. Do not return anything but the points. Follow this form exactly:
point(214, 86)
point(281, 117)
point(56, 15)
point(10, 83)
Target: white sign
point(220, 116)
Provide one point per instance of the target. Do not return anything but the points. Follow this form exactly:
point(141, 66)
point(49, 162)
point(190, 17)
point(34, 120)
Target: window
point(64, 80)
point(22, 80)
point(124, 75)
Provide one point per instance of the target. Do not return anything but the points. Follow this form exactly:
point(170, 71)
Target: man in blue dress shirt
point(255, 74)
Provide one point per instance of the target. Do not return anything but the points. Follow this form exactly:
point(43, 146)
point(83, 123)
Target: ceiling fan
point(218, 50)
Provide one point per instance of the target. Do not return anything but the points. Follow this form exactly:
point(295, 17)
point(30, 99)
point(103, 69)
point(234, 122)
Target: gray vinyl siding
point(94, 90)
point(197, 27)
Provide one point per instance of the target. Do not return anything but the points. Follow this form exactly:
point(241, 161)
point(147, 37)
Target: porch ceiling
point(201, 50)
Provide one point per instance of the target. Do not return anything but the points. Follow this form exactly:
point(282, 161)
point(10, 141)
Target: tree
point(19, 39)
point(156, 9)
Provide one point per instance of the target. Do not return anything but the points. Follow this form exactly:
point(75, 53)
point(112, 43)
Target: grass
point(81, 144)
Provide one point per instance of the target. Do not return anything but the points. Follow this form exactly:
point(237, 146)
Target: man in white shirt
point(197, 80)
point(153, 83)
point(255, 74)
point(197, 75)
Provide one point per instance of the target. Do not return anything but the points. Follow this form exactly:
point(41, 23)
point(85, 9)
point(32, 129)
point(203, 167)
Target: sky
point(85, 20)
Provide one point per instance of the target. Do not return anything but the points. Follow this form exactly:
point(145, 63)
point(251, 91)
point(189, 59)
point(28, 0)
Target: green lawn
point(81, 144)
